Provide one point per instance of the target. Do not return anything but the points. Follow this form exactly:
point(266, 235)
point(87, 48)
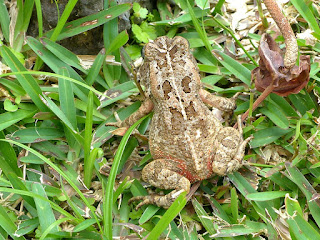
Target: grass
point(65, 175)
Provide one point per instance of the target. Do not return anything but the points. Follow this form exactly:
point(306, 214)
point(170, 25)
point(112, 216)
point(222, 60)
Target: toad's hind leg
point(229, 150)
point(161, 174)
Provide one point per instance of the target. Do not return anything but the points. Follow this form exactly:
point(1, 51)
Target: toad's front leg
point(222, 103)
point(162, 174)
point(145, 108)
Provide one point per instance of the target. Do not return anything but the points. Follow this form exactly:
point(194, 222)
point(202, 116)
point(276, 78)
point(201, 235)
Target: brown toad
point(187, 142)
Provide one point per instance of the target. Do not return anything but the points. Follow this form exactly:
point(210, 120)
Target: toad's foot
point(120, 125)
point(120, 130)
point(162, 173)
point(164, 201)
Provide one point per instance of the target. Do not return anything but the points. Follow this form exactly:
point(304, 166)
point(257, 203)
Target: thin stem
point(263, 18)
point(291, 55)
point(265, 94)
point(237, 41)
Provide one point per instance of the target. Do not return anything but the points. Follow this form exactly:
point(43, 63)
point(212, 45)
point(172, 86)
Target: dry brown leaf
point(272, 71)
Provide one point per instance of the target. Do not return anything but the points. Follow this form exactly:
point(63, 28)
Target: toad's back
point(182, 128)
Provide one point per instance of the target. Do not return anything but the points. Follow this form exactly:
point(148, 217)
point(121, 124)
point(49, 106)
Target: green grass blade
point(95, 68)
point(66, 13)
point(67, 105)
point(124, 90)
point(27, 226)
point(62, 173)
point(56, 64)
point(306, 13)
point(120, 40)
point(88, 166)
point(184, 18)
point(63, 19)
point(237, 69)
point(122, 186)
point(297, 224)
point(307, 189)
point(39, 17)
point(303, 102)
point(83, 225)
point(83, 107)
point(50, 147)
point(111, 73)
point(28, 193)
point(86, 23)
point(4, 20)
point(200, 30)
point(72, 205)
point(150, 211)
point(234, 205)
point(36, 134)
point(292, 205)
point(203, 217)
point(239, 230)
point(9, 118)
point(267, 135)
point(9, 158)
point(245, 188)
point(217, 8)
point(45, 213)
point(20, 185)
point(170, 214)
point(103, 133)
point(62, 53)
point(305, 228)
point(209, 68)
point(108, 196)
point(53, 226)
point(71, 59)
point(6, 168)
point(7, 224)
point(16, 183)
point(27, 13)
point(84, 85)
point(266, 196)
point(283, 104)
point(28, 83)
point(66, 98)
point(58, 112)
point(236, 40)
point(202, 4)
point(275, 115)
point(22, 22)
point(13, 86)
point(219, 211)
